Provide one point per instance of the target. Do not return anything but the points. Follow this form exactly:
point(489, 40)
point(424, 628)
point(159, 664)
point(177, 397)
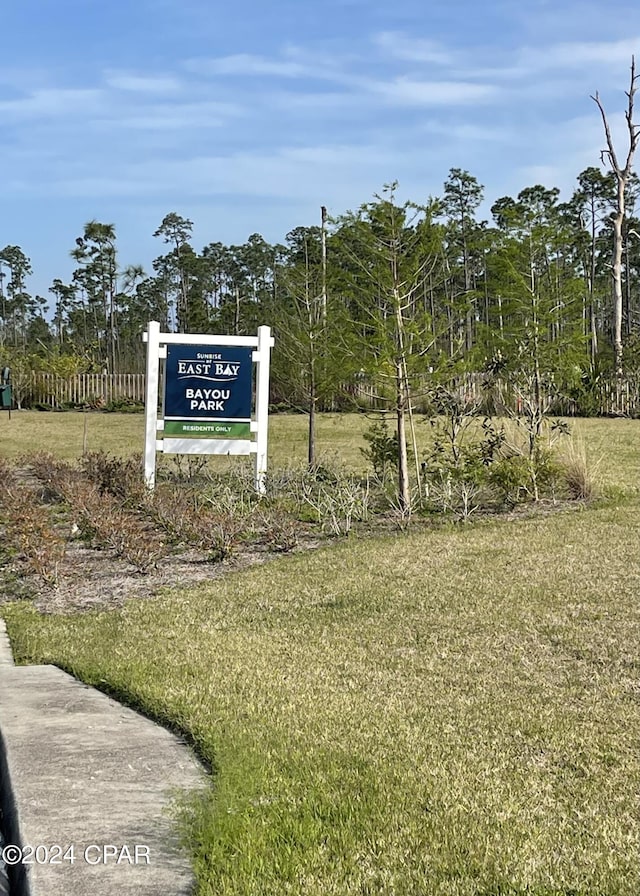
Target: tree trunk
point(617, 277)
point(627, 289)
point(404, 494)
point(592, 288)
point(623, 175)
point(311, 452)
point(311, 455)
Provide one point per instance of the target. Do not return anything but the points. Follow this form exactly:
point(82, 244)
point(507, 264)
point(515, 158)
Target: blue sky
point(247, 116)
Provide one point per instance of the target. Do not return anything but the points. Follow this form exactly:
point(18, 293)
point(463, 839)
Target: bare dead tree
point(622, 174)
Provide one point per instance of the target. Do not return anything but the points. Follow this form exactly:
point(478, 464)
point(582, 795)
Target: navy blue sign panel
point(208, 382)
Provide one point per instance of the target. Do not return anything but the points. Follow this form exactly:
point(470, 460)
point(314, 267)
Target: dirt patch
point(91, 579)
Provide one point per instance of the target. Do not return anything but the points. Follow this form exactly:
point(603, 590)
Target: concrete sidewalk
point(92, 782)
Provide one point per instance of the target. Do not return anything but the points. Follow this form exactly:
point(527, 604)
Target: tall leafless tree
point(622, 175)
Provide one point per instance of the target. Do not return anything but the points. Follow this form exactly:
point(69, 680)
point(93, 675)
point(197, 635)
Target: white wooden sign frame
point(154, 423)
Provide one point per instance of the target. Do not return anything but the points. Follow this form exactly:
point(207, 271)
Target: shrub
point(279, 529)
point(116, 476)
point(456, 471)
point(511, 477)
point(209, 524)
point(182, 467)
point(101, 518)
point(124, 406)
point(30, 533)
point(337, 506)
point(382, 452)
point(7, 473)
point(456, 488)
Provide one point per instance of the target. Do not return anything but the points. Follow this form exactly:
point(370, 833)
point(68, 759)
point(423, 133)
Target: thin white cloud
point(286, 173)
point(142, 83)
point(579, 54)
point(547, 61)
point(334, 154)
point(463, 133)
point(408, 92)
point(246, 65)
point(120, 102)
point(349, 75)
point(398, 45)
point(178, 117)
point(291, 62)
point(51, 102)
point(313, 102)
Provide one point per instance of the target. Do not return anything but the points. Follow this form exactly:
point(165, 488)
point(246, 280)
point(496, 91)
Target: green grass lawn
point(614, 445)
point(339, 436)
point(452, 712)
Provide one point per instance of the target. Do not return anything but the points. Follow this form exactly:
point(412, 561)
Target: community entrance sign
point(206, 386)
point(208, 391)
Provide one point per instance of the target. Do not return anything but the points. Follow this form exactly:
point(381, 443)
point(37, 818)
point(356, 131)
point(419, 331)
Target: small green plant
point(456, 470)
point(382, 452)
point(337, 506)
point(510, 476)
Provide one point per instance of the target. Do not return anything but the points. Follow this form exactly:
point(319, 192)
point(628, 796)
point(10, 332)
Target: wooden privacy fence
point(610, 397)
point(620, 398)
point(93, 389)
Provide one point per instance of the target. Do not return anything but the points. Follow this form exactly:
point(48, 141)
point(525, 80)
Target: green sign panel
point(206, 429)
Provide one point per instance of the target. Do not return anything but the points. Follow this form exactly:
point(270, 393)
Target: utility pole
point(323, 300)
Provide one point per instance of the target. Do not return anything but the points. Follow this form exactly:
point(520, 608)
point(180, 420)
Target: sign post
point(207, 396)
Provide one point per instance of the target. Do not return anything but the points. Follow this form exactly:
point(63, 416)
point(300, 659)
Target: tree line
point(469, 281)
point(402, 298)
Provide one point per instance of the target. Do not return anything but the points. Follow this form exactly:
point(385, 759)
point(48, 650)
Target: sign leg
point(151, 403)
